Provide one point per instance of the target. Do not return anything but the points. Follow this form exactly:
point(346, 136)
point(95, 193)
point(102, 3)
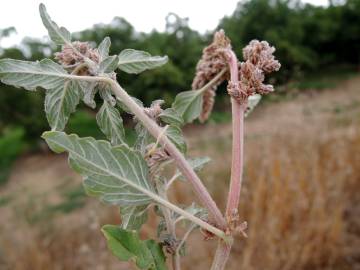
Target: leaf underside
point(134, 61)
point(30, 75)
point(133, 217)
point(59, 35)
point(111, 124)
point(60, 103)
point(118, 175)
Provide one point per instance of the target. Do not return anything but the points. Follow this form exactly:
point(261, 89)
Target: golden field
point(300, 196)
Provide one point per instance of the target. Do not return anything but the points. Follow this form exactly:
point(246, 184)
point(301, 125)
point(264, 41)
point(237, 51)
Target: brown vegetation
point(300, 195)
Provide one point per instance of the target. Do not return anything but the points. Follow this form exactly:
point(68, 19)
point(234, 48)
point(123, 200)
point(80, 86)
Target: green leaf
point(60, 102)
point(127, 246)
point(157, 253)
point(196, 163)
point(133, 217)
point(118, 175)
point(134, 62)
point(171, 117)
point(175, 135)
point(109, 64)
point(59, 35)
point(188, 104)
point(111, 124)
point(104, 48)
point(30, 75)
point(253, 101)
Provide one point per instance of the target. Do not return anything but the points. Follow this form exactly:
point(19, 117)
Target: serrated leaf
point(59, 35)
point(133, 217)
point(118, 175)
point(253, 101)
point(171, 117)
point(157, 253)
point(30, 75)
point(104, 48)
point(196, 163)
point(127, 246)
point(109, 64)
point(110, 122)
point(60, 103)
point(175, 135)
point(188, 104)
point(134, 62)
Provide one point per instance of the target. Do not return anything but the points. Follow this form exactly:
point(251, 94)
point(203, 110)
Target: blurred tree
point(307, 38)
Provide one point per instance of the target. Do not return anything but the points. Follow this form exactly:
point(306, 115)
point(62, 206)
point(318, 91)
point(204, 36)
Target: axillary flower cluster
point(76, 53)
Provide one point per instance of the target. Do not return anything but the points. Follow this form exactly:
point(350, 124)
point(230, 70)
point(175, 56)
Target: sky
point(145, 15)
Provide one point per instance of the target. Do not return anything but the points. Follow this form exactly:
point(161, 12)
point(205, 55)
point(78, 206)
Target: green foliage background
point(308, 39)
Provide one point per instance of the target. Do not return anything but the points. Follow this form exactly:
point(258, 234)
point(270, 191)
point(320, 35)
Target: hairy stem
point(221, 255)
point(170, 225)
point(179, 159)
point(223, 250)
point(238, 111)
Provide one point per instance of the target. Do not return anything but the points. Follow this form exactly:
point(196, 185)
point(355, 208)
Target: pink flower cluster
point(259, 60)
point(211, 63)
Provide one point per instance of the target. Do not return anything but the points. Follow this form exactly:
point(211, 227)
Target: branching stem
point(178, 157)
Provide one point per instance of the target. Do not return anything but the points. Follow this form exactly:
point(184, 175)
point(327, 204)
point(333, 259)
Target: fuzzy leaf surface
point(171, 117)
point(188, 104)
point(110, 122)
point(107, 95)
point(109, 64)
point(133, 217)
point(30, 75)
point(89, 90)
point(104, 48)
point(118, 175)
point(253, 101)
point(134, 61)
point(59, 35)
point(60, 102)
point(175, 135)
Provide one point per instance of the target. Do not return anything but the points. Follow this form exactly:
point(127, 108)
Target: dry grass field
point(301, 195)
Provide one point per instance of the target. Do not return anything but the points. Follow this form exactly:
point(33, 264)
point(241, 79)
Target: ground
point(299, 197)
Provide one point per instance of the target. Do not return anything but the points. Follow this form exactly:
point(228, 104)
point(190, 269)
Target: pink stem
point(223, 249)
point(238, 111)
